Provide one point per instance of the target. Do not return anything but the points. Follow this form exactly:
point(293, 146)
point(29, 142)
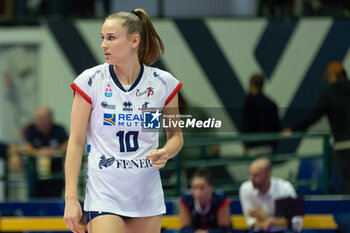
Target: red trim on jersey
point(184, 205)
point(226, 202)
point(81, 92)
point(171, 96)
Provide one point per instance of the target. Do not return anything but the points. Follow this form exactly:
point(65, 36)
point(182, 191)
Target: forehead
point(256, 168)
point(42, 112)
point(113, 26)
point(199, 181)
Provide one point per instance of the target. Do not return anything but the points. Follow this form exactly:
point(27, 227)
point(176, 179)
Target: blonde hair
point(138, 21)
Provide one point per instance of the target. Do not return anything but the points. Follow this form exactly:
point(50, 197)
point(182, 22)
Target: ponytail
point(138, 21)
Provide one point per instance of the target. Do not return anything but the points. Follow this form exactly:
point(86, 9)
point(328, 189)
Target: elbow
point(76, 141)
point(181, 141)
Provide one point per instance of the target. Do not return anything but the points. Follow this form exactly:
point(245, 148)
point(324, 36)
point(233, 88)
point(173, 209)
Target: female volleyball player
point(204, 210)
point(115, 104)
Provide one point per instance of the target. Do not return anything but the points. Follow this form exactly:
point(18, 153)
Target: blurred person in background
point(260, 115)
point(335, 104)
point(204, 210)
point(276, 8)
point(258, 196)
point(10, 153)
point(46, 143)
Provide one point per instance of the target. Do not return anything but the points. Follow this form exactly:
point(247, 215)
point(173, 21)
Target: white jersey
point(120, 179)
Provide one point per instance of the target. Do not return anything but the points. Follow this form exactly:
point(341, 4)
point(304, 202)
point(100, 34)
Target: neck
point(127, 73)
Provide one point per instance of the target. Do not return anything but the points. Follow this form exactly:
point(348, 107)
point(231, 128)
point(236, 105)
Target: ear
point(135, 40)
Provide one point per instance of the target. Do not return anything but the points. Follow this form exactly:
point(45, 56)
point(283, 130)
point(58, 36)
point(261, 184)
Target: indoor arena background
point(213, 49)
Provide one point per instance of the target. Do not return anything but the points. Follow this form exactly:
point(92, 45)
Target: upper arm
point(185, 216)
point(245, 205)
point(289, 189)
point(81, 111)
point(224, 216)
point(171, 112)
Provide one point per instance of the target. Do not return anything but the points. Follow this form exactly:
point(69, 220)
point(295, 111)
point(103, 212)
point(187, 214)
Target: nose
point(103, 44)
point(197, 194)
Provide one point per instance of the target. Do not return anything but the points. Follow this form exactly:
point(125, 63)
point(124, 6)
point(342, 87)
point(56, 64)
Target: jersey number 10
point(125, 141)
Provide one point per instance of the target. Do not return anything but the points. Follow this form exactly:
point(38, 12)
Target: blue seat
point(310, 169)
point(342, 219)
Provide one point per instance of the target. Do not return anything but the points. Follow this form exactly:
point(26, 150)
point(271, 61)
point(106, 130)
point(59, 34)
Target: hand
point(158, 157)
point(46, 152)
point(72, 216)
point(14, 161)
point(286, 132)
point(258, 213)
point(268, 223)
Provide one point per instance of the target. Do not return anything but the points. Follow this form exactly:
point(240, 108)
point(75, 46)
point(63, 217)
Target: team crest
point(108, 91)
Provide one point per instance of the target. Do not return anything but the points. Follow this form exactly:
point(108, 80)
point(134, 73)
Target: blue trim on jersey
point(116, 81)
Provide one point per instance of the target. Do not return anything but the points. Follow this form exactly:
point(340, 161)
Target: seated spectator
point(10, 153)
point(46, 143)
point(204, 210)
point(258, 196)
point(260, 115)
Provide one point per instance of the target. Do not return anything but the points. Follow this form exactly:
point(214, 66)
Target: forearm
point(28, 149)
point(63, 147)
point(270, 222)
point(174, 144)
point(72, 168)
point(279, 222)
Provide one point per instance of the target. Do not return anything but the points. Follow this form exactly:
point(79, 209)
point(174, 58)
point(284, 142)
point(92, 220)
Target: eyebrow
point(109, 33)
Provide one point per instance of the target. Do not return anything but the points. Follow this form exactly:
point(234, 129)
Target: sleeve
point(246, 204)
point(172, 87)
point(30, 134)
point(3, 150)
point(83, 85)
point(186, 201)
point(289, 190)
point(62, 134)
point(315, 114)
point(245, 118)
point(223, 201)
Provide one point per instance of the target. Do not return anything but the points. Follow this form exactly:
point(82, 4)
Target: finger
point(76, 226)
point(154, 155)
point(69, 224)
point(158, 164)
point(81, 230)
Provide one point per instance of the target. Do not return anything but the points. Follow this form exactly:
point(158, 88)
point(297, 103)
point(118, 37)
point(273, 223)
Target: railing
point(181, 164)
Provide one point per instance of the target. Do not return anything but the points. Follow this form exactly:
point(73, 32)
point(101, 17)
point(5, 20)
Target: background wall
point(214, 58)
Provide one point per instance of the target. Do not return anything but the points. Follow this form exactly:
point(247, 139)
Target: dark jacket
point(335, 104)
